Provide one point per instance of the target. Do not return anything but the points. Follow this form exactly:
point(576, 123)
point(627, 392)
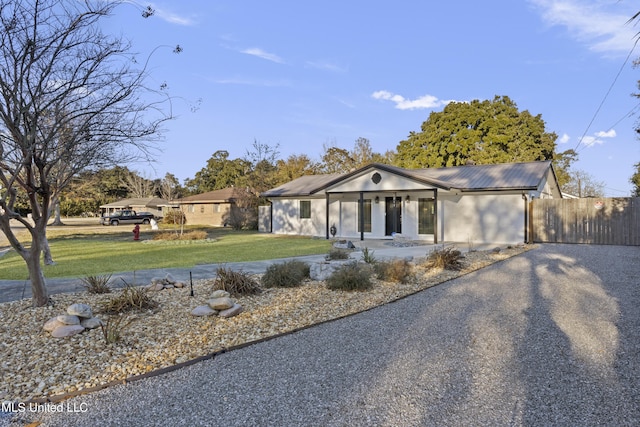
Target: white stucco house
point(476, 203)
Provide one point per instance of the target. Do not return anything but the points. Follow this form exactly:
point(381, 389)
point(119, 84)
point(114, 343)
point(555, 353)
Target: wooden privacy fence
point(606, 221)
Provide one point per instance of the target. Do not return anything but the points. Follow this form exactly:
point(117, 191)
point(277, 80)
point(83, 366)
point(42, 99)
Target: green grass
point(113, 250)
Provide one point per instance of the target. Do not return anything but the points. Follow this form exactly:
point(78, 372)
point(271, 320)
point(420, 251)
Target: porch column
point(435, 217)
point(327, 214)
point(361, 216)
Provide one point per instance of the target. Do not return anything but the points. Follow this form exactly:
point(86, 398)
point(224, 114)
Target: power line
point(629, 114)
point(606, 94)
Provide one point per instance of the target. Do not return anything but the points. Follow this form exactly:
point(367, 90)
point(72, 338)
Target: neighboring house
point(475, 204)
point(211, 208)
point(146, 204)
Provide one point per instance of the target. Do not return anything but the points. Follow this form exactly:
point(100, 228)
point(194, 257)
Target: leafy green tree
point(479, 132)
point(340, 160)
point(295, 166)
point(562, 165)
point(635, 180)
point(337, 160)
point(220, 172)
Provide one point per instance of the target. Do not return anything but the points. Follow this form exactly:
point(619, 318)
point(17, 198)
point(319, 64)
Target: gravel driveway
point(550, 337)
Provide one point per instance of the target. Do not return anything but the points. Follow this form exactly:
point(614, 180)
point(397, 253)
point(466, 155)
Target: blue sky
point(303, 74)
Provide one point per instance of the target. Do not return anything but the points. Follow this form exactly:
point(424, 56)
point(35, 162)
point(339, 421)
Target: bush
point(352, 276)
point(171, 235)
point(235, 282)
point(174, 216)
point(398, 270)
point(368, 256)
point(130, 298)
point(447, 258)
point(113, 328)
point(288, 274)
point(336, 254)
point(97, 284)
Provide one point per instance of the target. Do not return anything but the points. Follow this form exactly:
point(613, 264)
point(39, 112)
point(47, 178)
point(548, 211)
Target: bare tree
point(71, 97)
point(138, 185)
point(583, 184)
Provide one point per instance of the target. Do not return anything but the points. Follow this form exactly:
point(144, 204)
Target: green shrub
point(368, 256)
point(130, 298)
point(235, 282)
point(337, 254)
point(447, 258)
point(352, 276)
point(288, 274)
point(397, 270)
point(97, 284)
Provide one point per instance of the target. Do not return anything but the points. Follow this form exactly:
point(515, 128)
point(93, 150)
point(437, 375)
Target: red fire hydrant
point(136, 232)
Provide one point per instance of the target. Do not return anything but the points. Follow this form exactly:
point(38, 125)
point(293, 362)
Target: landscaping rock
point(179, 285)
point(169, 279)
point(80, 310)
point(91, 323)
point(230, 312)
point(321, 271)
point(68, 319)
point(156, 286)
point(66, 331)
point(344, 244)
point(52, 324)
point(220, 294)
point(203, 310)
point(220, 303)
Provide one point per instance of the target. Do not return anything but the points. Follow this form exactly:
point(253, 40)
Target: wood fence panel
point(607, 221)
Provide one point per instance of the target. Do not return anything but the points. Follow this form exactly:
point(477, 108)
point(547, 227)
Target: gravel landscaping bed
point(36, 366)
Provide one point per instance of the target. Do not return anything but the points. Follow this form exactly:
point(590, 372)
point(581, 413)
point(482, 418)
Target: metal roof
point(149, 202)
point(223, 195)
point(499, 177)
point(303, 186)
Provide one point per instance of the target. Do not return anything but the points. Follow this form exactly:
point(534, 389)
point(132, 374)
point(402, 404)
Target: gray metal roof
point(506, 176)
point(500, 177)
point(303, 186)
point(149, 202)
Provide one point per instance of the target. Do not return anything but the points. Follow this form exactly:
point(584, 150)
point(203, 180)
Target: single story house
point(475, 203)
point(210, 208)
point(145, 204)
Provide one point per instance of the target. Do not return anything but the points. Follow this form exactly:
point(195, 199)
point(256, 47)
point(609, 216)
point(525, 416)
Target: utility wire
point(607, 94)
point(629, 114)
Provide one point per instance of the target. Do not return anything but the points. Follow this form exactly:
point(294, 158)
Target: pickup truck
point(127, 217)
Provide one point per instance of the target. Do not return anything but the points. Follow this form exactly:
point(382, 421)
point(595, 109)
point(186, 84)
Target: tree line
point(479, 132)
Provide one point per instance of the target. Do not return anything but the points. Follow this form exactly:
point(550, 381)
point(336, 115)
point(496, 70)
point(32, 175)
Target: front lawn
point(78, 254)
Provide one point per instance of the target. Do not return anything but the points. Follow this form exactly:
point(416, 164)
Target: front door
point(393, 212)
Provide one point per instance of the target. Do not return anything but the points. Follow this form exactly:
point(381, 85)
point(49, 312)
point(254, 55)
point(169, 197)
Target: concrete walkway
point(11, 290)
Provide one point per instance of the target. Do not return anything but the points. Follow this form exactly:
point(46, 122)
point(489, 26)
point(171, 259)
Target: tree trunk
point(57, 221)
point(46, 251)
point(36, 276)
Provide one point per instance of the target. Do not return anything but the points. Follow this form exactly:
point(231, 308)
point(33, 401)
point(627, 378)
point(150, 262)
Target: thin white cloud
point(598, 138)
point(425, 101)
point(255, 51)
point(564, 138)
point(253, 82)
point(327, 66)
point(171, 17)
point(603, 26)
point(608, 134)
